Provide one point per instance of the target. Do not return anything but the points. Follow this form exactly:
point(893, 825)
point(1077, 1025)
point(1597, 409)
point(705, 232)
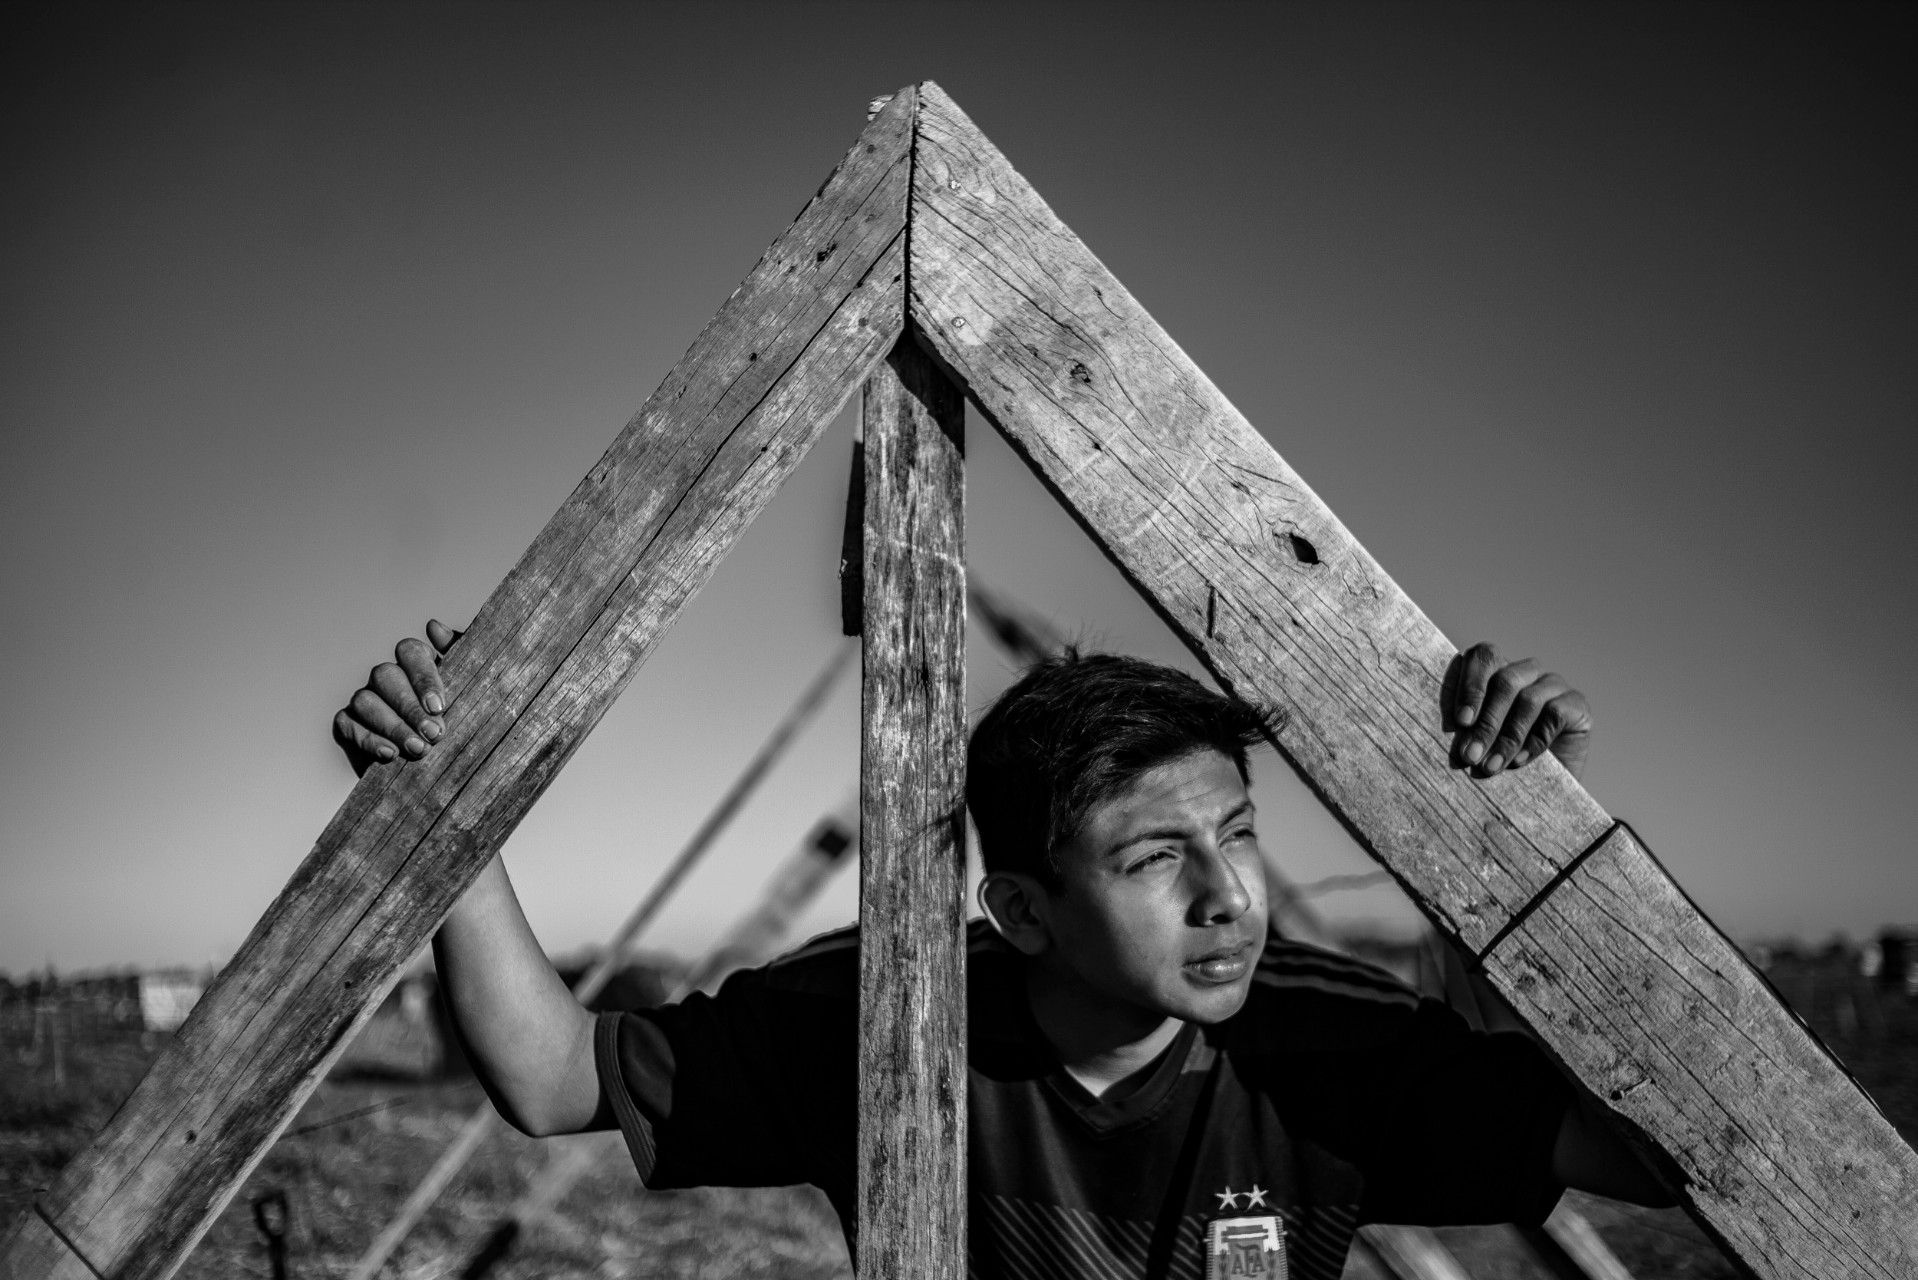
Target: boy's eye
point(1157, 855)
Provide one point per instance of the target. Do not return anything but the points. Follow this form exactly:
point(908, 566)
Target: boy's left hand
point(1504, 715)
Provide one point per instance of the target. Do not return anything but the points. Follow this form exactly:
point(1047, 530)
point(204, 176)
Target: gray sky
point(1596, 326)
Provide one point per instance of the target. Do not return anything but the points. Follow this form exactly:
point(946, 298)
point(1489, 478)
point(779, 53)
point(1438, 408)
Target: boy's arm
point(530, 1041)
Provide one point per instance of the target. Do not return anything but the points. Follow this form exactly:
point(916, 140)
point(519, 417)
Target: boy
point(1156, 1086)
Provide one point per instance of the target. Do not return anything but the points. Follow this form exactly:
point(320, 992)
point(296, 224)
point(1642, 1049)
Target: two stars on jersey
point(1245, 1246)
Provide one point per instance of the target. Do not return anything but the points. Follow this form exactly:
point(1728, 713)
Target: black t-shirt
point(1335, 1096)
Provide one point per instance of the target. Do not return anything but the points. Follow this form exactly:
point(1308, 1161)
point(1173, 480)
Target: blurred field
point(360, 1145)
point(372, 1129)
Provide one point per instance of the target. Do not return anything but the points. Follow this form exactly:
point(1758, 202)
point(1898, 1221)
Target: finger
point(1545, 732)
point(441, 635)
point(1476, 668)
point(374, 708)
point(422, 670)
point(1448, 693)
point(1521, 721)
point(362, 747)
point(1564, 728)
point(1500, 690)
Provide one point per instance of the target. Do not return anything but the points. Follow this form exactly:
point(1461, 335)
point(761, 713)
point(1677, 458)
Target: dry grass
point(342, 1182)
point(360, 1145)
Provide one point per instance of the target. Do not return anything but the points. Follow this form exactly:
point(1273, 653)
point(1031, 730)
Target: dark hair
point(1075, 731)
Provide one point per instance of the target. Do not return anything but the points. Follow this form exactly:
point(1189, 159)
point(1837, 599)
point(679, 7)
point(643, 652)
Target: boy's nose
point(1222, 896)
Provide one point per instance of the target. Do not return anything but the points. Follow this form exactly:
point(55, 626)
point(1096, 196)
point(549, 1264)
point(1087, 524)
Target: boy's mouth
point(1223, 965)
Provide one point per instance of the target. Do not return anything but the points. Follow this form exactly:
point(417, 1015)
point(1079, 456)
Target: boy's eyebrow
point(1245, 808)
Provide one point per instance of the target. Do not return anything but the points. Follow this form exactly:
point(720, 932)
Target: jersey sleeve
point(738, 1089)
point(1460, 1126)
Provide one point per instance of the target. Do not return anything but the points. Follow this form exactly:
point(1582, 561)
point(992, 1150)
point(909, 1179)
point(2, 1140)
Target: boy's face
point(1163, 908)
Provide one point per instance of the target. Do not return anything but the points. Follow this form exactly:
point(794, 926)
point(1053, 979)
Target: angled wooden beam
point(1571, 1247)
point(1779, 1154)
point(757, 936)
point(543, 660)
point(1410, 1253)
point(912, 953)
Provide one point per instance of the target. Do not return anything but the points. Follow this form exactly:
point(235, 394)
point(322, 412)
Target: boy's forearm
point(529, 1040)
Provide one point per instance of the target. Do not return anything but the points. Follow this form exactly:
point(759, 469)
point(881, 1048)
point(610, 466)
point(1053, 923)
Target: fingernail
point(384, 752)
point(1494, 762)
point(1473, 750)
point(430, 730)
point(434, 704)
point(415, 747)
point(1466, 715)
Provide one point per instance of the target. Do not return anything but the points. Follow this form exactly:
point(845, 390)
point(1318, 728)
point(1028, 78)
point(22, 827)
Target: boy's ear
point(1016, 905)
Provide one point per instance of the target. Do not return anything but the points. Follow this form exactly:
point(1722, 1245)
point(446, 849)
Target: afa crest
point(1237, 1247)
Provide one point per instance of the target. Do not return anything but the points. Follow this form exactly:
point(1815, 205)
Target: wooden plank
point(37, 1245)
point(1779, 1153)
point(1411, 1253)
point(1571, 1244)
point(544, 658)
point(569, 1159)
point(757, 937)
point(1732, 1087)
point(473, 1134)
point(811, 698)
point(912, 1008)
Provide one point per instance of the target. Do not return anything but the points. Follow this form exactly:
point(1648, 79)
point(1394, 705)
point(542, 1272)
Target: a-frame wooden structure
point(927, 264)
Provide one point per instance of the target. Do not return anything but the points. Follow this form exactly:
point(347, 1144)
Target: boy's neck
point(1099, 1046)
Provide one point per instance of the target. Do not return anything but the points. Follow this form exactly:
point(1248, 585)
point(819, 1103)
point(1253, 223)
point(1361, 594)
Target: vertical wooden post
point(912, 964)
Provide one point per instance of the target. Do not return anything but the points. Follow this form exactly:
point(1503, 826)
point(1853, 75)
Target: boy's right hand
point(399, 711)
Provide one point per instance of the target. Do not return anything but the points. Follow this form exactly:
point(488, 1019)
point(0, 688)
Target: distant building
point(167, 996)
point(1895, 962)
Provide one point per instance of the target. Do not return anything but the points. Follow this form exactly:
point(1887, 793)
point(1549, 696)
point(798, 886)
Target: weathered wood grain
point(544, 658)
point(1571, 1247)
point(1731, 1086)
point(912, 1009)
point(1780, 1154)
point(34, 1249)
point(1410, 1253)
